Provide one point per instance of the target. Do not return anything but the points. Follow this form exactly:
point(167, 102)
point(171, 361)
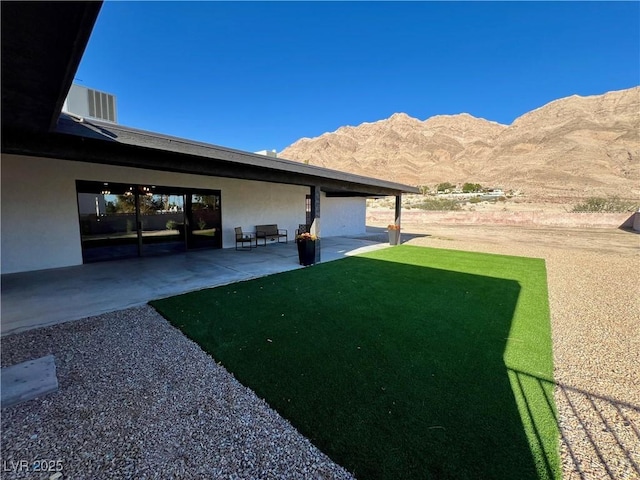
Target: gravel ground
point(139, 400)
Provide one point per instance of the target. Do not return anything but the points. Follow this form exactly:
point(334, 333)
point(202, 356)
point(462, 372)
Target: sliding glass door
point(161, 221)
point(107, 221)
point(203, 220)
point(122, 221)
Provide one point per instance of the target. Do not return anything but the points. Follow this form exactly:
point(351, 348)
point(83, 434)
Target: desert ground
point(594, 292)
point(519, 203)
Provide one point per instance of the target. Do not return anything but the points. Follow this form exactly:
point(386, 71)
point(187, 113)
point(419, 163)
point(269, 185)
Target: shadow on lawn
point(601, 414)
point(393, 370)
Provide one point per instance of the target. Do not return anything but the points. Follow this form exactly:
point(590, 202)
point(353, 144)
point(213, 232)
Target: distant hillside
point(575, 146)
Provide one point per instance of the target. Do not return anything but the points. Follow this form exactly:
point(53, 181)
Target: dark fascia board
point(140, 138)
point(233, 162)
point(103, 143)
point(42, 45)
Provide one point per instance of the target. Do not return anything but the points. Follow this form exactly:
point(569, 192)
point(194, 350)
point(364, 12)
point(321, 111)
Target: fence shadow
point(604, 430)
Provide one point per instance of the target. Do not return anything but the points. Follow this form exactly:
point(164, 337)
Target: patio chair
point(303, 228)
point(242, 239)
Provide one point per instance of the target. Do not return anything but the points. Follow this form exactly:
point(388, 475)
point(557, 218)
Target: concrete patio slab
point(27, 380)
point(47, 297)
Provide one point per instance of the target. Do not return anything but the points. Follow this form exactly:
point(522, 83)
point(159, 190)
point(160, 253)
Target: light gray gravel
point(139, 400)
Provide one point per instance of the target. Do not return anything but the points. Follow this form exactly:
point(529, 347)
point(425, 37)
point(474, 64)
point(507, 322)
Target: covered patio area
point(48, 297)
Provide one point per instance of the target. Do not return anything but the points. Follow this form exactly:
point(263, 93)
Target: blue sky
point(261, 75)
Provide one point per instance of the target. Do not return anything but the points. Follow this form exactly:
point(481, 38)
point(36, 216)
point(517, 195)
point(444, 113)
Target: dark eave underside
point(42, 45)
point(116, 145)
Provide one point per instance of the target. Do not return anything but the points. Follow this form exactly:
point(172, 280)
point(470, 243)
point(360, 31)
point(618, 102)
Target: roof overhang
point(104, 143)
point(42, 45)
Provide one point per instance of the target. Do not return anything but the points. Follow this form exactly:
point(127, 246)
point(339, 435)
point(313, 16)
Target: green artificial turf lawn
point(406, 362)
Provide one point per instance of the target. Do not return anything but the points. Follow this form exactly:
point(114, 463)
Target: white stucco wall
point(342, 216)
point(40, 227)
point(39, 219)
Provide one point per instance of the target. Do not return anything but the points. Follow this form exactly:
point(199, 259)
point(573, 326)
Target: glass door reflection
point(108, 223)
point(130, 220)
point(162, 224)
point(204, 221)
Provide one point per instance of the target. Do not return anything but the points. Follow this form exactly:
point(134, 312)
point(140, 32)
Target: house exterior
point(77, 190)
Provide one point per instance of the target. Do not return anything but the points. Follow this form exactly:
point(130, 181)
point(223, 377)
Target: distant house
point(79, 188)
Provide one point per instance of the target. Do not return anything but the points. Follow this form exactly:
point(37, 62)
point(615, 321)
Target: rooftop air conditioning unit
point(268, 153)
point(90, 103)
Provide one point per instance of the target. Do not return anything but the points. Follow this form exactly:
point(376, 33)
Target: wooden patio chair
point(242, 239)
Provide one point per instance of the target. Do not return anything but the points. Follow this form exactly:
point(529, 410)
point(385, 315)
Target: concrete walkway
point(47, 297)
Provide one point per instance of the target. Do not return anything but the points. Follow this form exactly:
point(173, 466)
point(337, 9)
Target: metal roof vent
point(87, 102)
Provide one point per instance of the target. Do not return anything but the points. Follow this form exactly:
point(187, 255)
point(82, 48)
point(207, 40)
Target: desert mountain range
point(571, 147)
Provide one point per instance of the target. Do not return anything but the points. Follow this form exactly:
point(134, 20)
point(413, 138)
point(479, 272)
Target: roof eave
point(115, 133)
point(42, 46)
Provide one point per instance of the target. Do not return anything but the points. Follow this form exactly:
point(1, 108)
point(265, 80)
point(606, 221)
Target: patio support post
point(138, 222)
point(398, 214)
point(315, 218)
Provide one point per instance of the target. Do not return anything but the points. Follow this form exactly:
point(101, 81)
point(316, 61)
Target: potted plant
point(394, 234)
point(306, 248)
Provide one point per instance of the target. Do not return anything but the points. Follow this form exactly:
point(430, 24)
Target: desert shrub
point(605, 205)
point(438, 204)
point(471, 187)
point(475, 200)
point(441, 187)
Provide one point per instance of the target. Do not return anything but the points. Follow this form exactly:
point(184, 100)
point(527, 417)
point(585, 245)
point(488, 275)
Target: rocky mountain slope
point(575, 146)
